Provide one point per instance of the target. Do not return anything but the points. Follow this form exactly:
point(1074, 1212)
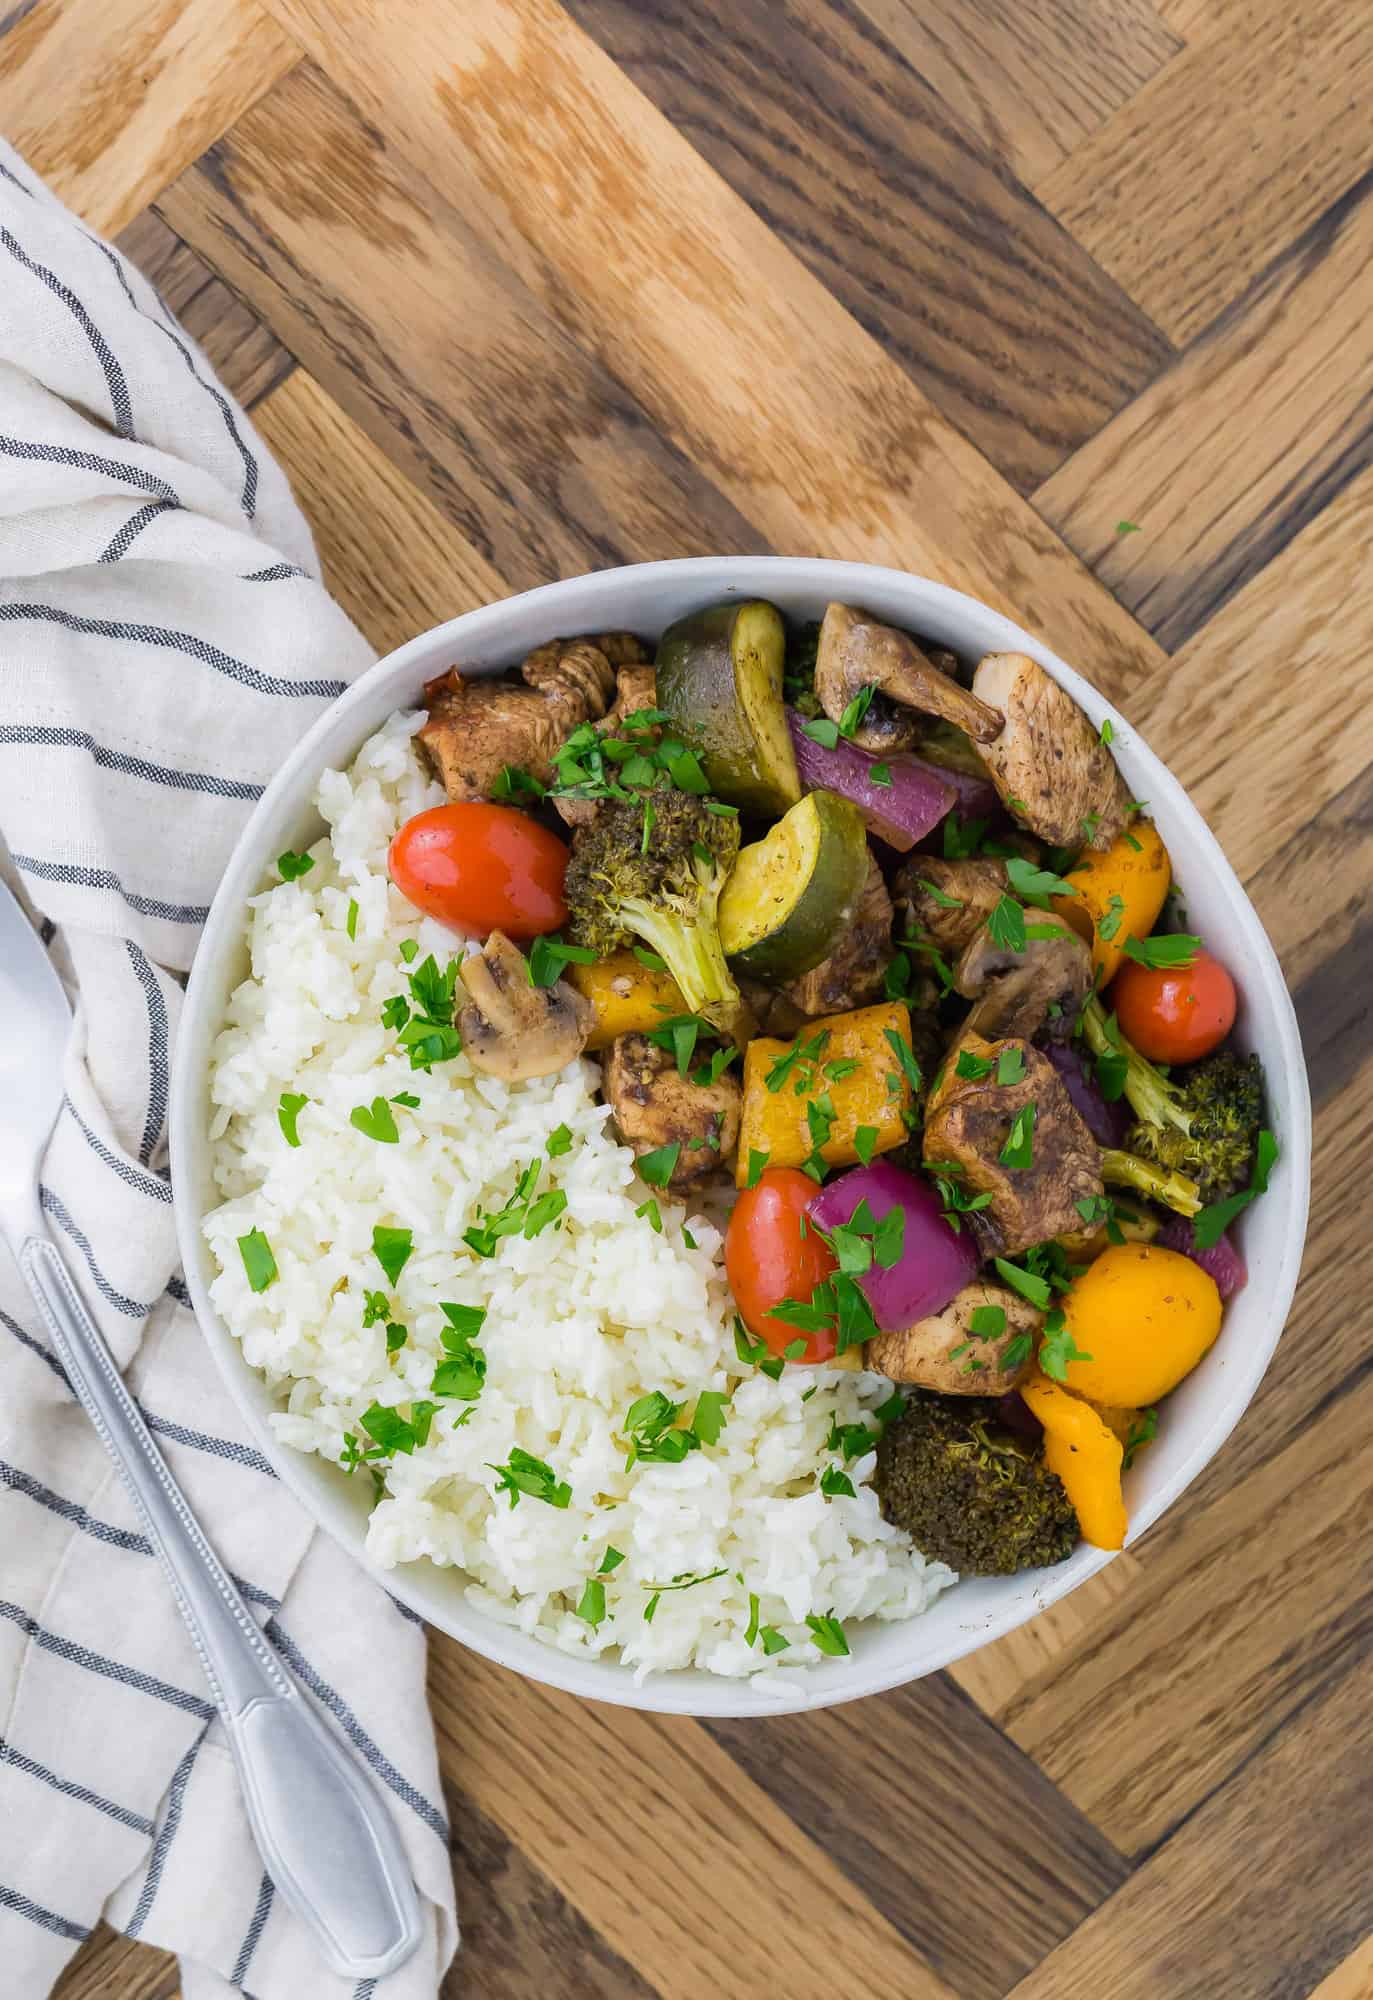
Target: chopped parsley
point(462, 1370)
point(1010, 1065)
point(1006, 925)
point(710, 1419)
point(905, 1055)
point(1127, 527)
point(865, 1141)
point(658, 1167)
point(1108, 733)
point(1109, 924)
point(800, 1053)
point(549, 955)
point(292, 866)
point(609, 1561)
point(1213, 1221)
point(957, 1201)
point(1058, 1348)
point(409, 950)
point(835, 1483)
point(1162, 953)
point(880, 775)
point(973, 1067)
point(937, 895)
point(392, 1248)
point(396, 1336)
point(963, 838)
point(652, 1214)
point(756, 1353)
point(388, 1428)
point(511, 782)
point(987, 1322)
point(1141, 1432)
point(559, 1141)
point(1029, 1284)
point(376, 1306)
point(1035, 885)
point(773, 1641)
point(258, 1261)
point(424, 1023)
point(351, 922)
point(752, 1633)
point(1018, 1151)
point(822, 731)
point(757, 1160)
point(591, 1605)
point(376, 1121)
point(851, 720)
point(527, 1474)
point(828, 1634)
point(288, 1110)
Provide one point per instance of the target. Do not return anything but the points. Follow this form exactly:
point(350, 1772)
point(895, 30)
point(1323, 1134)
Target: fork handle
point(325, 1835)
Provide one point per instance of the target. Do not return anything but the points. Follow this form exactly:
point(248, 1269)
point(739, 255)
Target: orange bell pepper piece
point(1086, 1454)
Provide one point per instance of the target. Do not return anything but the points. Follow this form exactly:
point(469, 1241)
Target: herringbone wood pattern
point(1065, 302)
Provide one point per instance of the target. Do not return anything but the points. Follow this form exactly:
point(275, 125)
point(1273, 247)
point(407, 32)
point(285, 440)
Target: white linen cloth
point(164, 637)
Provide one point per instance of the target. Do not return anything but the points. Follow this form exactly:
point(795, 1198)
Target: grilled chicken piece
point(918, 884)
point(853, 974)
point(511, 1028)
point(968, 1122)
point(1019, 992)
point(476, 727)
point(942, 1352)
point(656, 1106)
point(1048, 759)
point(636, 688)
point(855, 651)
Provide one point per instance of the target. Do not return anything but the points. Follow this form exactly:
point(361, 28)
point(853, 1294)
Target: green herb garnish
point(258, 1261)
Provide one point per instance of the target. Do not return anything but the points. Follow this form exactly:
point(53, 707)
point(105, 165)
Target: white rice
point(581, 1320)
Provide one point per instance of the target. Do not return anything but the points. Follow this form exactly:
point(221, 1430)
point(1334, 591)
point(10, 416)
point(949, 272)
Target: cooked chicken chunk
point(476, 727)
point(856, 652)
point(1048, 759)
point(970, 891)
point(511, 1028)
point(1019, 992)
point(945, 1352)
point(970, 1120)
point(853, 974)
point(656, 1106)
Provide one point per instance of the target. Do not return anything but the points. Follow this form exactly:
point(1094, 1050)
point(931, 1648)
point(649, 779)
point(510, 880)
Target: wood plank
point(932, 1792)
point(1353, 1980)
point(393, 561)
point(995, 1676)
point(246, 355)
point(540, 459)
point(735, 350)
point(1263, 715)
point(111, 1967)
point(519, 1936)
point(1227, 456)
point(687, 1870)
point(1276, 99)
point(110, 103)
point(1031, 77)
point(1262, 1893)
point(900, 210)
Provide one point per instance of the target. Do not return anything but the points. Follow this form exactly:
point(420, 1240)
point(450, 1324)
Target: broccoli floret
point(1150, 1094)
point(968, 1493)
point(1163, 1184)
point(1211, 1137)
point(653, 869)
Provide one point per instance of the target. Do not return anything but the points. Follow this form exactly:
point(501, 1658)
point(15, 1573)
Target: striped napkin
point(166, 637)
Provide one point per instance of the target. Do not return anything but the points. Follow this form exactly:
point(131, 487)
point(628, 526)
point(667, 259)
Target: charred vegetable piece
point(1119, 895)
point(836, 1094)
point(626, 996)
point(900, 797)
point(947, 902)
point(968, 1493)
point(924, 1262)
point(1038, 980)
point(1214, 1110)
point(791, 895)
point(1140, 1319)
point(719, 680)
point(1048, 762)
point(860, 660)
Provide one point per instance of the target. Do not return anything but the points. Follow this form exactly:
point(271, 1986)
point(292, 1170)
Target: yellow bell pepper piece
point(1086, 1454)
point(1135, 870)
point(627, 998)
point(874, 1093)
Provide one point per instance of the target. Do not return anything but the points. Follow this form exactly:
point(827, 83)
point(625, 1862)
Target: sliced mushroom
point(654, 1106)
point(477, 727)
point(945, 1351)
point(946, 902)
point(511, 1028)
point(1019, 992)
point(853, 973)
point(968, 1123)
point(1048, 763)
point(856, 652)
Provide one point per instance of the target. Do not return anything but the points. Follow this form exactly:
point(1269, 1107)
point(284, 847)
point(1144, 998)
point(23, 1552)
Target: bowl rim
point(685, 1691)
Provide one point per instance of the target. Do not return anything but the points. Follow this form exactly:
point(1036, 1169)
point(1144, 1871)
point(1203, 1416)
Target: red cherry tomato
point(482, 868)
point(767, 1259)
point(1175, 1015)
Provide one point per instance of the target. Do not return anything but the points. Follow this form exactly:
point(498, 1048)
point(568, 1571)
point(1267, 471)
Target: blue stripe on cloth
point(178, 642)
point(159, 1046)
point(52, 1205)
point(45, 1354)
point(35, 735)
point(274, 573)
point(177, 1289)
point(75, 875)
point(89, 461)
point(217, 1447)
point(82, 1793)
point(10, 1899)
point(355, 1732)
point(137, 1178)
point(253, 1932)
point(120, 401)
point(99, 1663)
point(248, 499)
point(119, 545)
point(411, 1617)
point(18, 1481)
point(364, 1989)
point(162, 1847)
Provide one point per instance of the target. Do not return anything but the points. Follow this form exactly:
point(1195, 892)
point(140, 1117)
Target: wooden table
point(1066, 303)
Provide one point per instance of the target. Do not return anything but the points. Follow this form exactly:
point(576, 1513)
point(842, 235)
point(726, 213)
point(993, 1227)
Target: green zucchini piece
point(791, 896)
point(719, 679)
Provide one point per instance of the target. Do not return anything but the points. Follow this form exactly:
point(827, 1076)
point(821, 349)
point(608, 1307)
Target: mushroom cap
point(1015, 991)
point(511, 1028)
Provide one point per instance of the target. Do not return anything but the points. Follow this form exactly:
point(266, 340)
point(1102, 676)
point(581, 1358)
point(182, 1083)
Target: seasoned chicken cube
point(1048, 763)
point(655, 1106)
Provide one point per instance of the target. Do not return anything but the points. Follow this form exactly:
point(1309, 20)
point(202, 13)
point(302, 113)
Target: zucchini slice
point(790, 896)
point(719, 679)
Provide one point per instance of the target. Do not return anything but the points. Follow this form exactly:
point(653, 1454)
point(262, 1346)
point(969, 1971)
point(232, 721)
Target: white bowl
point(646, 598)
